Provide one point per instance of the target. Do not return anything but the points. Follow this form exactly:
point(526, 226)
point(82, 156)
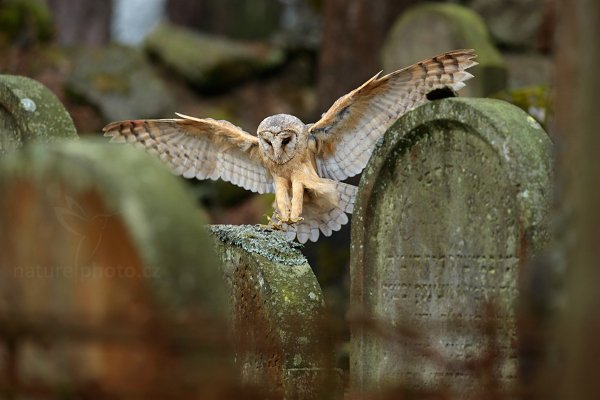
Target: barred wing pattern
point(348, 131)
point(199, 148)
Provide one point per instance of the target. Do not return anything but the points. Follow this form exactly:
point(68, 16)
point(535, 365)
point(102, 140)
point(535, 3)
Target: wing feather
point(346, 134)
point(199, 148)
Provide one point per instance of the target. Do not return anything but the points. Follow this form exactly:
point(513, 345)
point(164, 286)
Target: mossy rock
point(109, 273)
point(278, 314)
point(120, 82)
point(516, 24)
point(30, 112)
point(210, 62)
point(451, 208)
point(424, 31)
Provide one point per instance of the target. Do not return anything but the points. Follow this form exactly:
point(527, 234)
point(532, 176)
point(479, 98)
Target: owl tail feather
point(326, 220)
point(346, 196)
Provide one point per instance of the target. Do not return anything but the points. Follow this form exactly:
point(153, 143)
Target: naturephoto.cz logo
point(81, 272)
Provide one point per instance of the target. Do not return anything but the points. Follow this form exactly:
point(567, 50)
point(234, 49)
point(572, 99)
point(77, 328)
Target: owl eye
point(285, 141)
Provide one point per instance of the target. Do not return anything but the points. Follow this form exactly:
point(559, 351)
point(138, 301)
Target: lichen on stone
point(255, 239)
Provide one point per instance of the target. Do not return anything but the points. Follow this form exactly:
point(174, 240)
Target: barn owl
point(302, 164)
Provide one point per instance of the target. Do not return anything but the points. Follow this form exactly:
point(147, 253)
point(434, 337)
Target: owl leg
point(282, 198)
point(297, 200)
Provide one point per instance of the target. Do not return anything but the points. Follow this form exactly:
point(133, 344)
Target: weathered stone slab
point(210, 62)
point(429, 29)
point(451, 206)
point(30, 112)
point(278, 312)
point(517, 24)
point(120, 82)
point(108, 280)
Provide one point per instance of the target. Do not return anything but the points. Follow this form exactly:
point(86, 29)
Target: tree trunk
point(353, 34)
point(190, 13)
point(578, 85)
point(82, 21)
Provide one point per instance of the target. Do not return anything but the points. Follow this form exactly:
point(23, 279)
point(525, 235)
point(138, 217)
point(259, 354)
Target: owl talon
point(274, 222)
point(292, 221)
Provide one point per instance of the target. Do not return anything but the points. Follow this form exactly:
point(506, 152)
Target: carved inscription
point(447, 259)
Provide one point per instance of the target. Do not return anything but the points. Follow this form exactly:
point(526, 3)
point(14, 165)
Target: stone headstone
point(451, 206)
point(240, 19)
point(278, 314)
point(210, 62)
point(120, 82)
point(108, 280)
point(515, 23)
point(424, 31)
point(30, 112)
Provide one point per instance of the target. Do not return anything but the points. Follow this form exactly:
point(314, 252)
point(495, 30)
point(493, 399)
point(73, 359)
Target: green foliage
point(25, 21)
point(534, 100)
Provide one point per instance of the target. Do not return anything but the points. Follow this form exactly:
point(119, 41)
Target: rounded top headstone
point(30, 112)
point(451, 206)
point(429, 29)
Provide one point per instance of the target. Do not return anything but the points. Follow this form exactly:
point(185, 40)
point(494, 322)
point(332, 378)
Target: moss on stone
point(209, 61)
point(120, 82)
point(429, 29)
point(164, 224)
point(29, 112)
point(451, 206)
point(278, 312)
point(261, 241)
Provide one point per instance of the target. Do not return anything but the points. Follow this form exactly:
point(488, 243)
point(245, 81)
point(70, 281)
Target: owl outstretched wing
point(346, 134)
point(199, 148)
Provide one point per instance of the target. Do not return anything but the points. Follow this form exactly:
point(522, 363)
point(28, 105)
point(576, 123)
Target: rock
point(241, 19)
point(210, 62)
point(424, 31)
point(515, 23)
point(121, 83)
point(451, 207)
point(278, 314)
point(107, 276)
point(29, 112)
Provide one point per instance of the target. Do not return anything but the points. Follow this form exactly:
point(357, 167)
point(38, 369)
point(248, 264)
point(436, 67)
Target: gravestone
point(120, 82)
point(451, 206)
point(223, 62)
point(30, 112)
point(278, 314)
point(426, 30)
point(517, 24)
point(109, 286)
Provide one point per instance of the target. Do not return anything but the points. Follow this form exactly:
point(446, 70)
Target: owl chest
point(298, 168)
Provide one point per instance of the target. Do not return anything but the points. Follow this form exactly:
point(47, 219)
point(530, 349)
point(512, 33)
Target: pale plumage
point(302, 164)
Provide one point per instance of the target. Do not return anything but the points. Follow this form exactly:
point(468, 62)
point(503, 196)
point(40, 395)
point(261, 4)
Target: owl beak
point(277, 150)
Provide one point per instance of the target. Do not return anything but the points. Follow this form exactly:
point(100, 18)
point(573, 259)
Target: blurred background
point(243, 60)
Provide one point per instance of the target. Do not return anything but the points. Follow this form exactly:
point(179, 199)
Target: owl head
point(281, 136)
